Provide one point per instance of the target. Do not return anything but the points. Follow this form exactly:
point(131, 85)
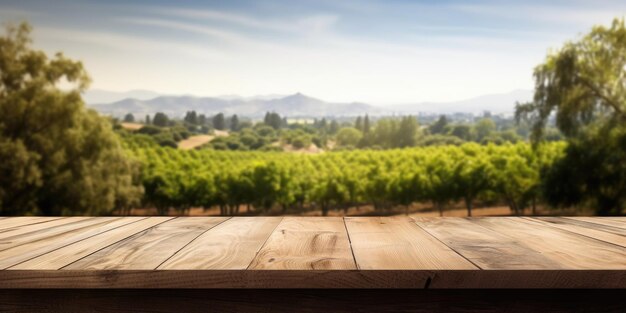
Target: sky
point(379, 52)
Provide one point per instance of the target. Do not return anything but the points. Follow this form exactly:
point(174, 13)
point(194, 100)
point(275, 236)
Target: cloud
point(122, 42)
point(372, 51)
point(574, 15)
point(11, 15)
point(307, 24)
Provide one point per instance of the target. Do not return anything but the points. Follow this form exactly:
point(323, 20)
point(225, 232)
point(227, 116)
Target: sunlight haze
point(378, 52)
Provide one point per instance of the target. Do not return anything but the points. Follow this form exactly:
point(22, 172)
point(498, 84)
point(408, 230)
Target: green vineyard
point(509, 173)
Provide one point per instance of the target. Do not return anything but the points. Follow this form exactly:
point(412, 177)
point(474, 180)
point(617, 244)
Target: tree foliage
point(160, 119)
point(57, 156)
point(219, 121)
point(583, 85)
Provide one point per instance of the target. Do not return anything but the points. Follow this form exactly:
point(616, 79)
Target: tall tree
point(57, 156)
point(129, 118)
point(406, 134)
point(584, 82)
point(334, 127)
point(273, 119)
point(202, 120)
point(148, 120)
point(584, 86)
point(439, 126)
point(358, 124)
point(160, 119)
point(219, 122)
point(366, 125)
point(234, 123)
point(191, 117)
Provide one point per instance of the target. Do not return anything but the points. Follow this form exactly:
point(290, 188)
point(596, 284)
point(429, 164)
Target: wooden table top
point(312, 252)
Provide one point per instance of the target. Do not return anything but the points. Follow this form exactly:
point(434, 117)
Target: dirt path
point(132, 126)
point(199, 140)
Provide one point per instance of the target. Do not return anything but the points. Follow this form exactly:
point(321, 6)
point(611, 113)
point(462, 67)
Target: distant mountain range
point(495, 103)
point(294, 105)
point(94, 96)
point(141, 102)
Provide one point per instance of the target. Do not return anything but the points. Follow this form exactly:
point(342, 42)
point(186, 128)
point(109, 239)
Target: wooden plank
point(614, 221)
point(602, 232)
point(230, 245)
point(485, 248)
point(69, 234)
point(16, 236)
point(64, 256)
point(571, 250)
point(398, 243)
point(11, 222)
point(318, 243)
point(149, 248)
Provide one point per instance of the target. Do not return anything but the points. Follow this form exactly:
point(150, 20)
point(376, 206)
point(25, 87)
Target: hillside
point(293, 105)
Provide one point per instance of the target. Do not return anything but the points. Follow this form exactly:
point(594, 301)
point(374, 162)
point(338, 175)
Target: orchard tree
point(57, 156)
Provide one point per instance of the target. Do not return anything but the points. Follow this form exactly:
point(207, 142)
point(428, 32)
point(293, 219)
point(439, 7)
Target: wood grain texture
point(10, 222)
point(602, 232)
point(60, 237)
point(66, 255)
point(314, 243)
point(230, 245)
point(398, 243)
point(35, 232)
point(570, 250)
point(485, 248)
point(149, 248)
point(31, 232)
point(309, 252)
point(616, 221)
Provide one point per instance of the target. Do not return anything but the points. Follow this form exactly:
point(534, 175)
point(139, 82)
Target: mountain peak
point(297, 95)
